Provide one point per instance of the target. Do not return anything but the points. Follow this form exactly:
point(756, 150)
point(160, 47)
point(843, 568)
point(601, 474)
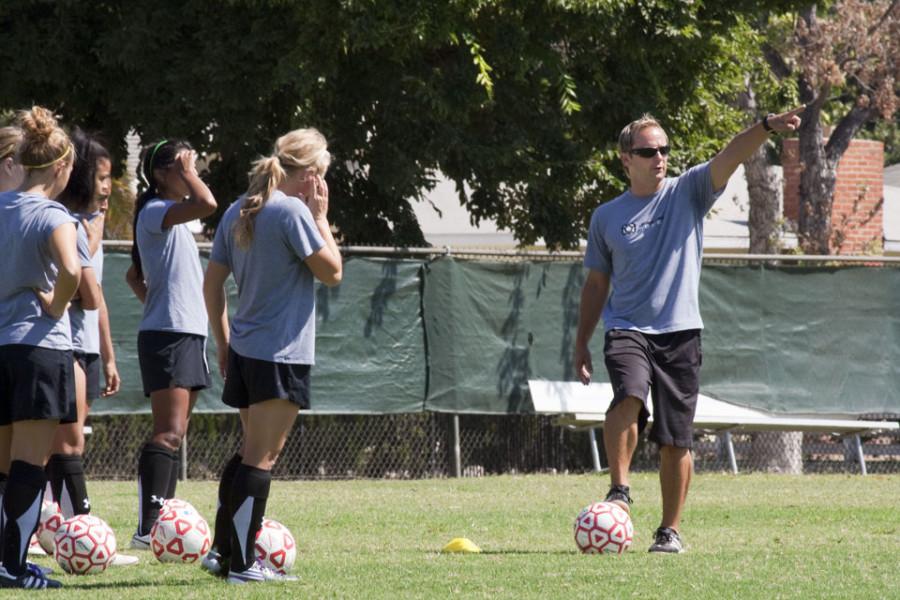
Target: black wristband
point(765, 123)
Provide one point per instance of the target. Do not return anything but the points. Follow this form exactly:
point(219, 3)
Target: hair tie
point(52, 162)
point(149, 162)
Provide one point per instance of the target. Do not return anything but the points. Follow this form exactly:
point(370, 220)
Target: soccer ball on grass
point(180, 534)
point(603, 527)
point(51, 519)
point(275, 546)
point(84, 544)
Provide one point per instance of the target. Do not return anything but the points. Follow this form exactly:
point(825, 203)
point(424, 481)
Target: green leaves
point(519, 103)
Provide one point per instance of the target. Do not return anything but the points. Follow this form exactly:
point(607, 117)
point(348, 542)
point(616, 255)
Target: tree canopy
point(518, 102)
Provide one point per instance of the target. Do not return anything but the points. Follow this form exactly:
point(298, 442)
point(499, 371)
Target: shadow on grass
point(521, 552)
point(125, 584)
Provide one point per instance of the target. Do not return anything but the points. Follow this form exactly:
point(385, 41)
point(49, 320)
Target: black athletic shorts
point(668, 364)
point(90, 364)
point(250, 380)
point(36, 384)
point(169, 359)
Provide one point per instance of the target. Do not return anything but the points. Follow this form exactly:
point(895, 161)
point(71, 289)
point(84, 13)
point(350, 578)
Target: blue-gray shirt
point(275, 318)
point(86, 323)
point(26, 223)
point(171, 265)
point(651, 247)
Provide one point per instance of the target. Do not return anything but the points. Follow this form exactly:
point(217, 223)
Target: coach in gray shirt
point(646, 245)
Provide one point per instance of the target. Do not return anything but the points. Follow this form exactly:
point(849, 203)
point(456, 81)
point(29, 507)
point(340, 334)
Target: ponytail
point(297, 149)
point(156, 156)
point(265, 177)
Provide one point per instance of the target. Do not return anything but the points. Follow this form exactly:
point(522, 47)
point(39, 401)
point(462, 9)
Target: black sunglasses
point(650, 152)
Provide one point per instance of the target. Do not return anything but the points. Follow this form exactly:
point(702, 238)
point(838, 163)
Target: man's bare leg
point(620, 438)
point(675, 470)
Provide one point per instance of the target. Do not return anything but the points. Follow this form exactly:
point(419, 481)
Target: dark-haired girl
point(86, 196)
point(166, 276)
point(39, 275)
point(277, 242)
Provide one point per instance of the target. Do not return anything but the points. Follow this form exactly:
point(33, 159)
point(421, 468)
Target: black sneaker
point(621, 495)
point(32, 579)
point(667, 540)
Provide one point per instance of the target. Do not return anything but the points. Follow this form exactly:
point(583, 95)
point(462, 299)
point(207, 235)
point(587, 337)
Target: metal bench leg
point(729, 446)
point(595, 452)
point(860, 455)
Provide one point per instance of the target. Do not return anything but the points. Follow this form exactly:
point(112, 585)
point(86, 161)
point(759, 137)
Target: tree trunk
point(817, 180)
point(765, 191)
point(779, 452)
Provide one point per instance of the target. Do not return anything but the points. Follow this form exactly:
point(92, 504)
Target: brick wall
point(856, 215)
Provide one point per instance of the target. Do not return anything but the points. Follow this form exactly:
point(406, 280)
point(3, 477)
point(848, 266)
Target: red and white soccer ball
point(179, 535)
point(603, 527)
point(51, 519)
point(84, 544)
point(176, 503)
point(275, 546)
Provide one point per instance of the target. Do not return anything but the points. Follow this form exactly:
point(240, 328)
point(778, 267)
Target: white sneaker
point(34, 547)
point(123, 560)
point(212, 563)
point(257, 573)
point(140, 542)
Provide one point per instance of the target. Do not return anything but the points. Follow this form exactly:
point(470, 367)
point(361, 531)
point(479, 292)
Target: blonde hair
point(297, 149)
point(10, 138)
point(44, 142)
point(626, 137)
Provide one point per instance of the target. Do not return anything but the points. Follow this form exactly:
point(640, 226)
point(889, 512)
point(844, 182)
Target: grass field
point(749, 536)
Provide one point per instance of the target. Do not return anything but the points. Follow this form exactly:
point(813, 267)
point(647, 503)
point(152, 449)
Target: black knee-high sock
point(173, 474)
point(21, 511)
point(3, 479)
point(248, 504)
point(66, 475)
point(154, 468)
point(222, 536)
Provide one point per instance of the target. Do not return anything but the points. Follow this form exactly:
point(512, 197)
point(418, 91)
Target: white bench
point(580, 406)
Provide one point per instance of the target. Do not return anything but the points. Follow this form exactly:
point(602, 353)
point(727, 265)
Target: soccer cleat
point(32, 579)
point(667, 540)
point(36, 568)
point(123, 560)
point(140, 542)
point(621, 496)
point(258, 573)
point(212, 563)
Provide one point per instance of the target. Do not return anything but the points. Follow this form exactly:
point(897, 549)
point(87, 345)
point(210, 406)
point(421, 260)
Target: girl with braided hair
point(41, 273)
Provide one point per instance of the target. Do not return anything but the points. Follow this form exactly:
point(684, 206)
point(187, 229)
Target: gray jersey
point(86, 323)
point(275, 318)
point(26, 223)
point(651, 248)
point(171, 265)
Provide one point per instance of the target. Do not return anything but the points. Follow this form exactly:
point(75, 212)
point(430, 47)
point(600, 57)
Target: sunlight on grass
point(750, 536)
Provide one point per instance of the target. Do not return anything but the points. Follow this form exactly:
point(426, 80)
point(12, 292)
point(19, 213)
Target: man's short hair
point(626, 138)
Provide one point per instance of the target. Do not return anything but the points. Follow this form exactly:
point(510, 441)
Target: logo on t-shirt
point(632, 228)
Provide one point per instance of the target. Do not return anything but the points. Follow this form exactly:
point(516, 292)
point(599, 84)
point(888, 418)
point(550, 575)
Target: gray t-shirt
point(26, 224)
point(651, 247)
point(275, 318)
point(171, 265)
point(86, 323)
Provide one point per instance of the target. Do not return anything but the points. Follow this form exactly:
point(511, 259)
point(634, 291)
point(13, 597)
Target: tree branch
point(845, 130)
point(884, 17)
point(776, 61)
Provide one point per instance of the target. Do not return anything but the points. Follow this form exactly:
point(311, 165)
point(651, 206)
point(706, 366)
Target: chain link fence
point(421, 445)
point(424, 445)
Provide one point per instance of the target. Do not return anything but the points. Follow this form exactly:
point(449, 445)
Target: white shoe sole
point(124, 560)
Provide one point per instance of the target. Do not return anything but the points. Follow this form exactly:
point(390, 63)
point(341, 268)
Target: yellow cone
point(461, 545)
